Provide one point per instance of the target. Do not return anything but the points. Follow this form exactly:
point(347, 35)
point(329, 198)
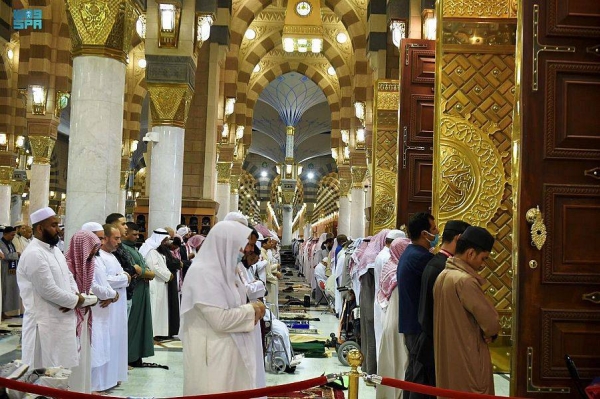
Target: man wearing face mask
point(464, 319)
point(424, 235)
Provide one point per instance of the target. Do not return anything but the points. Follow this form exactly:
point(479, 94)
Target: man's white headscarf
point(153, 241)
point(236, 217)
point(211, 279)
point(183, 230)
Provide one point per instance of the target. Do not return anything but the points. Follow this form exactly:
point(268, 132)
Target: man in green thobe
point(141, 342)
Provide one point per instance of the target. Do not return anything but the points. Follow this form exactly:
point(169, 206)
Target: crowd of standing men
point(97, 308)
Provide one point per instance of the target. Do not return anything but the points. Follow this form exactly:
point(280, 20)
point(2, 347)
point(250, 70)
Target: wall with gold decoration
point(475, 95)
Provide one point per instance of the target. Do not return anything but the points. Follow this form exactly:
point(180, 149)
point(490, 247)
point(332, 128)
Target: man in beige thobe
point(464, 319)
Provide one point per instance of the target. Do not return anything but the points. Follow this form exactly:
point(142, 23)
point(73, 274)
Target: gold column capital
point(18, 186)
point(170, 103)
point(41, 147)
point(345, 186)
point(6, 173)
point(223, 172)
point(358, 175)
point(101, 27)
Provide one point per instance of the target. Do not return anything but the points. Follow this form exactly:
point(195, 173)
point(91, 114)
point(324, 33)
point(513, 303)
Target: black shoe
point(290, 370)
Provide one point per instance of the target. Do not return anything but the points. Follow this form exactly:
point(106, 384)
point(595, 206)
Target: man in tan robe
point(464, 319)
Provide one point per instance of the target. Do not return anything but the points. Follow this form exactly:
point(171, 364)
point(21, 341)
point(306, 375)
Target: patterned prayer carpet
point(319, 392)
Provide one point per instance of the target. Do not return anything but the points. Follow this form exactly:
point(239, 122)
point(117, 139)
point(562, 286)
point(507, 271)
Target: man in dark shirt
point(452, 231)
point(424, 235)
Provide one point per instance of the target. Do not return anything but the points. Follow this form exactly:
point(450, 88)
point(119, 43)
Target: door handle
point(593, 173)
point(538, 228)
point(593, 297)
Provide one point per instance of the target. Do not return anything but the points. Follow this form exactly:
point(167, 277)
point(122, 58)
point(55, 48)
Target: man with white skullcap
point(49, 295)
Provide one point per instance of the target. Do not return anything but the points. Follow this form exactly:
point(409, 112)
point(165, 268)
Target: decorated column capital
point(223, 172)
point(41, 147)
point(169, 103)
point(6, 173)
point(358, 175)
point(102, 28)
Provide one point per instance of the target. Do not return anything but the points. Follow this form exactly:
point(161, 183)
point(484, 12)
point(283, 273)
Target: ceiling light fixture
point(341, 38)
point(250, 34)
point(331, 71)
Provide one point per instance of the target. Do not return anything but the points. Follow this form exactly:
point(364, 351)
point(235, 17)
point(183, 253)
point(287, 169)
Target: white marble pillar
point(39, 186)
point(344, 216)
point(5, 204)
point(167, 178)
point(286, 236)
point(223, 198)
point(234, 201)
point(357, 213)
point(16, 209)
point(97, 97)
point(122, 201)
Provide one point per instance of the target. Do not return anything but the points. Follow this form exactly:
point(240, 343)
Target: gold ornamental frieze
point(471, 177)
point(18, 186)
point(480, 8)
point(480, 35)
point(345, 186)
point(169, 104)
point(234, 184)
point(41, 147)
point(223, 172)
point(101, 27)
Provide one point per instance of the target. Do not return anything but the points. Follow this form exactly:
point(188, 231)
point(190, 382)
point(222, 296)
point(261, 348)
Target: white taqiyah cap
point(92, 226)
point(41, 214)
point(183, 230)
point(393, 234)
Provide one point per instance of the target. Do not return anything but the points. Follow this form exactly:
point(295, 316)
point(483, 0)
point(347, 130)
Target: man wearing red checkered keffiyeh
point(81, 261)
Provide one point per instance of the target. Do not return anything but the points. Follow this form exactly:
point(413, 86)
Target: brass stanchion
point(355, 358)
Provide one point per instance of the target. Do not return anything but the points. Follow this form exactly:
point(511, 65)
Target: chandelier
point(303, 27)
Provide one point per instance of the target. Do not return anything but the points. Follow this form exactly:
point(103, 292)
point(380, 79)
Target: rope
point(248, 394)
point(432, 391)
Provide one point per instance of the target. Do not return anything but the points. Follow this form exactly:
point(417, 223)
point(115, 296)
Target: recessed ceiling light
point(310, 175)
point(263, 173)
point(256, 68)
point(341, 37)
point(250, 34)
point(142, 63)
point(331, 70)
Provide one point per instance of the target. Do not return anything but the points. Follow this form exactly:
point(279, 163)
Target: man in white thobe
point(49, 295)
point(113, 372)
point(23, 237)
point(158, 287)
point(380, 260)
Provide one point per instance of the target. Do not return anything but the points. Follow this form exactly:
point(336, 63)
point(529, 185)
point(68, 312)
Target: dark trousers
point(415, 372)
point(367, 322)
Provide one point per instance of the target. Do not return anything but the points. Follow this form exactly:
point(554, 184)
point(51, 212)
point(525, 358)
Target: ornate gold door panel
point(558, 203)
point(415, 139)
point(475, 95)
point(385, 160)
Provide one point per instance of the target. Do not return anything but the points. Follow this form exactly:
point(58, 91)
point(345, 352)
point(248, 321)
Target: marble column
point(234, 199)
point(5, 176)
point(286, 236)
point(166, 168)
point(95, 139)
point(122, 201)
point(344, 216)
point(99, 49)
point(39, 183)
point(357, 209)
point(16, 209)
point(223, 198)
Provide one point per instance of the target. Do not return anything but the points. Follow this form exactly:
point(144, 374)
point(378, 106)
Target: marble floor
point(156, 382)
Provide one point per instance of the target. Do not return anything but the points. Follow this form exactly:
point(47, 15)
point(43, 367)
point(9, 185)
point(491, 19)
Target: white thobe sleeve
point(118, 280)
point(44, 284)
point(159, 268)
point(100, 286)
point(255, 290)
point(240, 319)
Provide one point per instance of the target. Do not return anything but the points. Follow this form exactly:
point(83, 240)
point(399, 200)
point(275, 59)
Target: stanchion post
point(355, 359)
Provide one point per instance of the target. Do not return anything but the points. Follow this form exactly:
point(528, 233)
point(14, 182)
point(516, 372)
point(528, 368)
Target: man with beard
point(49, 295)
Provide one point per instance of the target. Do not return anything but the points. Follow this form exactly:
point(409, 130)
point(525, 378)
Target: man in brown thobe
point(464, 319)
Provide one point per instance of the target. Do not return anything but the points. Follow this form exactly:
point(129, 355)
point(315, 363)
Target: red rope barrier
point(433, 391)
point(248, 394)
